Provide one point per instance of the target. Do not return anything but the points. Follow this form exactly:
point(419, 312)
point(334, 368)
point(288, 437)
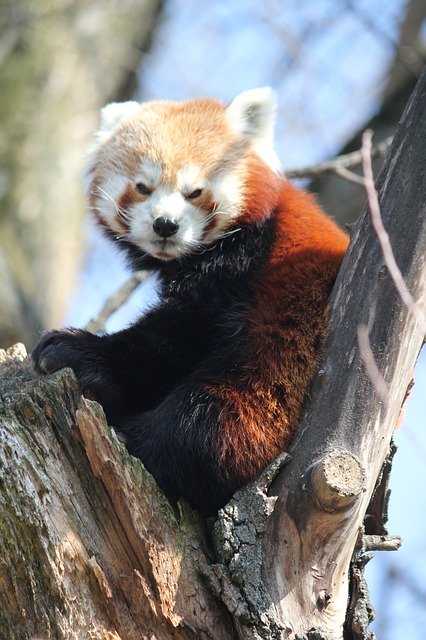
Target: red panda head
point(170, 177)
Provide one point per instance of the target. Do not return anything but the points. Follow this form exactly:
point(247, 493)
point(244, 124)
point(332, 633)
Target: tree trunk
point(91, 548)
point(322, 494)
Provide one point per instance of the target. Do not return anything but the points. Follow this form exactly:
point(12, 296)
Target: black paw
point(73, 348)
point(85, 354)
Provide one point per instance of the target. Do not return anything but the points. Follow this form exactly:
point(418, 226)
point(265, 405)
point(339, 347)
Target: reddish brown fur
point(286, 327)
point(129, 196)
point(260, 191)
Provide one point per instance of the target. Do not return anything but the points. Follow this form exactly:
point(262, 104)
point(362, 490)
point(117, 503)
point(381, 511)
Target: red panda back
point(286, 324)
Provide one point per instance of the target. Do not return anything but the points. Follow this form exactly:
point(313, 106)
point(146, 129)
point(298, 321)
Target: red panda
point(209, 385)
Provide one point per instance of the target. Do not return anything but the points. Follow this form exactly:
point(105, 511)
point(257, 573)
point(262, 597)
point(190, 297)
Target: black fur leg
point(172, 451)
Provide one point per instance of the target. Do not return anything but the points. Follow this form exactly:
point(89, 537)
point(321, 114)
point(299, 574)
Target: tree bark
point(92, 549)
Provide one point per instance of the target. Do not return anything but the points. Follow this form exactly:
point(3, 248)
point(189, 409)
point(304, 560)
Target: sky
point(328, 64)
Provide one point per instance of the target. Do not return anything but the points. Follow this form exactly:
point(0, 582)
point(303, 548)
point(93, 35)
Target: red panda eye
point(143, 189)
point(195, 194)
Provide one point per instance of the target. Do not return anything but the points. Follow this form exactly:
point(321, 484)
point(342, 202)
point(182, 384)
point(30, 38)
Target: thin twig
point(345, 161)
point(115, 301)
point(342, 172)
point(382, 234)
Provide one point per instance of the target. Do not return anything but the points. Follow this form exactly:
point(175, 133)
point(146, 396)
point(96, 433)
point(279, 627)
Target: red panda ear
point(111, 117)
point(113, 114)
point(252, 115)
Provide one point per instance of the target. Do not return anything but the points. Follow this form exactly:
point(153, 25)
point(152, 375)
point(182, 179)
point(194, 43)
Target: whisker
point(106, 196)
point(230, 232)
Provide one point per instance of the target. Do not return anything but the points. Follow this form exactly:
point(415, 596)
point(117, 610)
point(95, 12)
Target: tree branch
point(340, 164)
point(115, 301)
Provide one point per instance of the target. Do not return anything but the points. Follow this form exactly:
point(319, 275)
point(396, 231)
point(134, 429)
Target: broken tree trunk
point(91, 548)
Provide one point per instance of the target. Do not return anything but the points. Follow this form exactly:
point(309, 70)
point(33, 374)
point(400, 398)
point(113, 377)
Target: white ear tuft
point(113, 114)
point(252, 114)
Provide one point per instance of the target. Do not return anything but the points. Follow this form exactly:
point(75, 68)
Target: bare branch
point(349, 175)
point(381, 543)
point(388, 256)
point(115, 301)
point(367, 356)
point(336, 165)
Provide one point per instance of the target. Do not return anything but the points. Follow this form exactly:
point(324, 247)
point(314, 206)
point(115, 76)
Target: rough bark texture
point(91, 549)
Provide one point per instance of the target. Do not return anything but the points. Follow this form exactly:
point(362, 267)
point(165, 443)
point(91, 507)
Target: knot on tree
point(337, 480)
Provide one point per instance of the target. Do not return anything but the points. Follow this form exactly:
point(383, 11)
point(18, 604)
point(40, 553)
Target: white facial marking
point(190, 178)
point(170, 204)
point(226, 190)
point(150, 173)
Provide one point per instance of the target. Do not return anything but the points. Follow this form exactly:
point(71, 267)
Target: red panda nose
point(164, 227)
